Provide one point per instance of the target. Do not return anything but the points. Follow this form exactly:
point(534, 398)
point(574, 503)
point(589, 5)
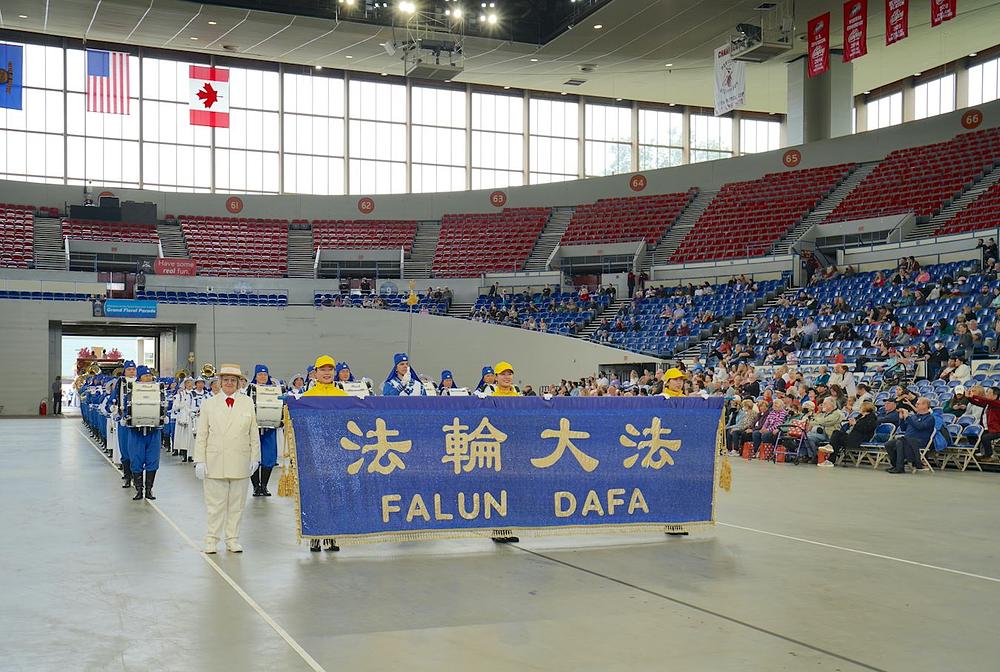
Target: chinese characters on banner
point(943, 10)
point(730, 81)
point(819, 45)
point(855, 29)
point(390, 469)
point(897, 20)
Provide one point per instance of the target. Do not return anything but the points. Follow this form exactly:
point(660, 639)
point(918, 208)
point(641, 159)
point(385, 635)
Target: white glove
point(199, 471)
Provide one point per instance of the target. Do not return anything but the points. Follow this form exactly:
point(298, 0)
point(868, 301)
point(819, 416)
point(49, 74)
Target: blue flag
point(11, 75)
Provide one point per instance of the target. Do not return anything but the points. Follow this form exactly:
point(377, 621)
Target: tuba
point(180, 375)
point(208, 371)
point(93, 370)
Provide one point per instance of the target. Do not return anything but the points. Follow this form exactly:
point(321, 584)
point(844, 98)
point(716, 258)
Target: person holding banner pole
point(226, 451)
point(324, 386)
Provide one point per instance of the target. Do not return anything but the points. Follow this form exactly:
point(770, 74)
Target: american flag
point(107, 82)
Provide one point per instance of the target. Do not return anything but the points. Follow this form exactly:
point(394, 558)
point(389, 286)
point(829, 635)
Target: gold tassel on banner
point(726, 472)
point(284, 483)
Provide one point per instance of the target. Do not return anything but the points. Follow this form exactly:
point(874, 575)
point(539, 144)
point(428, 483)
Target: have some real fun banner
point(391, 469)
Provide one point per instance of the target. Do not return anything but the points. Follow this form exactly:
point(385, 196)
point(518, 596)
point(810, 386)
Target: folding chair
point(873, 452)
point(962, 450)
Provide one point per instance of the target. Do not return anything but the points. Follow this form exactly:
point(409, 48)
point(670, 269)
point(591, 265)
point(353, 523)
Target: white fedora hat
point(230, 370)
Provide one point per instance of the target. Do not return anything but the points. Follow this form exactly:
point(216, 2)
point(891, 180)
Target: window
point(934, 97)
point(757, 135)
point(554, 140)
point(711, 138)
point(103, 149)
point(497, 141)
point(887, 111)
point(984, 82)
point(246, 153)
point(377, 137)
point(31, 139)
point(608, 137)
point(438, 137)
point(661, 139)
point(176, 156)
point(313, 124)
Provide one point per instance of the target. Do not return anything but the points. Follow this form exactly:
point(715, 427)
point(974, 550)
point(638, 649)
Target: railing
point(59, 286)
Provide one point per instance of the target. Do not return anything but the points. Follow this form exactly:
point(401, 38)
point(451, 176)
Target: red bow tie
point(229, 402)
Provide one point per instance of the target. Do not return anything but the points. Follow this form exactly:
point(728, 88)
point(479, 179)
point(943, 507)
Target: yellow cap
point(673, 373)
point(503, 366)
point(324, 360)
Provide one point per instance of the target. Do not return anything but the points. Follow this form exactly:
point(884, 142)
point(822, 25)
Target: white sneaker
point(210, 547)
point(234, 547)
point(733, 453)
point(826, 464)
point(825, 448)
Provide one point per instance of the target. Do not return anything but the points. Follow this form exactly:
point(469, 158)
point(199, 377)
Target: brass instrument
point(93, 370)
point(180, 375)
point(118, 372)
point(208, 371)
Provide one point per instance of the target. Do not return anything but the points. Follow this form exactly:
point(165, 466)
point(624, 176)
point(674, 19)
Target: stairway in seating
point(460, 310)
point(675, 234)
point(172, 240)
point(693, 353)
point(301, 253)
point(608, 312)
point(48, 249)
point(548, 239)
point(961, 203)
point(823, 209)
point(418, 264)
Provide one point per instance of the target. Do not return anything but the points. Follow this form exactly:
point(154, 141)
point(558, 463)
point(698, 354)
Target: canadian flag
point(209, 101)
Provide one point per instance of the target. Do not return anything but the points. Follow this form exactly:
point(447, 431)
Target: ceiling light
point(563, 93)
point(973, 54)
point(194, 38)
point(456, 13)
point(348, 56)
point(867, 92)
point(534, 60)
point(506, 88)
point(673, 104)
point(669, 65)
point(407, 7)
point(598, 26)
point(618, 99)
point(22, 16)
point(384, 74)
point(917, 74)
point(492, 19)
point(211, 23)
point(319, 67)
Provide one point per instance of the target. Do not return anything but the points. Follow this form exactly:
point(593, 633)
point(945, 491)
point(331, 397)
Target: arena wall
point(290, 339)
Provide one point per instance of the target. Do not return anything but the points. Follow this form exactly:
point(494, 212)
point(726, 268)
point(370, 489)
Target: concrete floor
point(905, 577)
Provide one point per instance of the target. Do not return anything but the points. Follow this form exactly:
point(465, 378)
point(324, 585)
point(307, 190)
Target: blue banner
point(11, 76)
point(129, 308)
point(394, 469)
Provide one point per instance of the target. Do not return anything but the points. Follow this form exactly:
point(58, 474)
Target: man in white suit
point(226, 452)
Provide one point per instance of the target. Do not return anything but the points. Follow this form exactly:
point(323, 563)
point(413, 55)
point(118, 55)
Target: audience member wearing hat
point(226, 451)
point(673, 383)
point(402, 380)
point(324, 385)
point(505, 381)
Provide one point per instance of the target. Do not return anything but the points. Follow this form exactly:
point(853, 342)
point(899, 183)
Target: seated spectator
point(915, 431)
point(766, 428)
point(905, 399)
point(890, 413)
point(957, 370)
point(822, 425)
point(862, 430)
point(958, 404)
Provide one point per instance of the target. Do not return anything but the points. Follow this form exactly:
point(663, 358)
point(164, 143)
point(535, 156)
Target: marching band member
point(324, 386)
point(298, 385)
point(447, 383)
point(199, 396)
point(124, 431)
point(310, 377)
point(402, 381)
point(486, 382)
point(184, 433)
point(505, 386)
point(673, 383)
point(169, 429)
point(216, 387)
point(343, 373)
point(144, 444)
point(268, 437)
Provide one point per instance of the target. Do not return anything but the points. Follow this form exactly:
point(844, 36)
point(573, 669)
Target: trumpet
point(208, 371)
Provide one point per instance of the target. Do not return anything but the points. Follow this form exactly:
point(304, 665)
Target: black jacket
point(862, 431)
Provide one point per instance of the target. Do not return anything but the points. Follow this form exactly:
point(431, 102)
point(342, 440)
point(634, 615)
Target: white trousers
point(224, 500)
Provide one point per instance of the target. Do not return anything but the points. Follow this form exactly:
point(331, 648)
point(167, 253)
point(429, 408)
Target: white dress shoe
point(234, 547)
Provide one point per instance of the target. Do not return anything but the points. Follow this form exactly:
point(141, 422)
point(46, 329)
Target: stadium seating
point(342, 234)
point(473, 244)
point(725, 303)
point(921, 179)
point(231, 246)
point(746, 219)
point(44, 296)
point(16, 235)
point(392, 302)
point(558, 320)
point(118, 232)
point(983, 213)
point(214, 298)
point(621, 220)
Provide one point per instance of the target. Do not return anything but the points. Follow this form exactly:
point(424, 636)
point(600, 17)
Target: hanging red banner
point(897, 20)
point(855, 29)
point(819, 45)
point(943, 10)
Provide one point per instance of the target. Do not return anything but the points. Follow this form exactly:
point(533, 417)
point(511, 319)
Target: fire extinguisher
point(43, 407)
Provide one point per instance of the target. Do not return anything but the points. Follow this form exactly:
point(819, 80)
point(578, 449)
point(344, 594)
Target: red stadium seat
point(230, 246)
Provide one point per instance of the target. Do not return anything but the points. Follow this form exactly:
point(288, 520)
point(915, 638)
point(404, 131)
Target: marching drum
point(146, 405)
point(270, 405)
